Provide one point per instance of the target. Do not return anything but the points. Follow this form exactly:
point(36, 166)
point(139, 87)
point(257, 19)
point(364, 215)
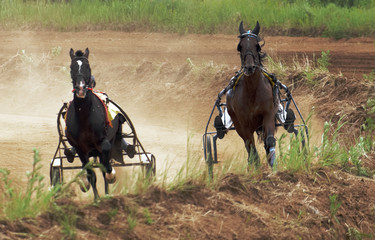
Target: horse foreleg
point(89, 178)
point(110, 174)
point(269, 145)
point(269, 139)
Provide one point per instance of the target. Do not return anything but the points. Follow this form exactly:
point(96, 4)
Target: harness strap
point(269, 78)
point(265, 73)
point(236, 82)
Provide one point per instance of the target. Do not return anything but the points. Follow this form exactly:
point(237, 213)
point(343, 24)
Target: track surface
point(35, 82)
point(152, 77)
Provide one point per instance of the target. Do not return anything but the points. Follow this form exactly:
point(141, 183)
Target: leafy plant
point(324, 60)
point(132, 221)
point(330, 151)
point(354, 234)
point(334, 206)
point(147, 215)
point(293, 156)
point(368, 127)
point(355, 154)
point(369, 77)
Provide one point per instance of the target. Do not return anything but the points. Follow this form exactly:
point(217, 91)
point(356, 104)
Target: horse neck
point(253, 81)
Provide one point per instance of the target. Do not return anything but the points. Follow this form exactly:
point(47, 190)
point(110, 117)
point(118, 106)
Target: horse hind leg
point(253, 156)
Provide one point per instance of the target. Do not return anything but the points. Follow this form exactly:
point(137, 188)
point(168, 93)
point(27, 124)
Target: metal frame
point(57, 166)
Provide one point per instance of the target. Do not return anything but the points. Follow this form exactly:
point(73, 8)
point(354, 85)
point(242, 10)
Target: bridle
point(248, 52)
point(86, 79)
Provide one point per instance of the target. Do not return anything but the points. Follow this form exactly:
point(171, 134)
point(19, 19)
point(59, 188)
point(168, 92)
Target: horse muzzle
point(80, 93)
point(249, 70)
point(81, 90)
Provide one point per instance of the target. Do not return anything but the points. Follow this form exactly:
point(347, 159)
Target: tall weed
point(330, 152)
point(29, 202)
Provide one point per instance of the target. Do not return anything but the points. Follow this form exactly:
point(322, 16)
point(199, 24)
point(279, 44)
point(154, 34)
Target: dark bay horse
point(88, 129)
point(250, 103)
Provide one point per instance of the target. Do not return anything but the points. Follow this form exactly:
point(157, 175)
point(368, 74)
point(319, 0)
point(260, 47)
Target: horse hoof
point(69, 155)
point(130, 150)
point(111, 177)
point(84, 184)
point(220, 128)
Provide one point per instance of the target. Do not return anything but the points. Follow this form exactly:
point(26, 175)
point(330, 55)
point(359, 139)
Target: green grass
point(298, 17)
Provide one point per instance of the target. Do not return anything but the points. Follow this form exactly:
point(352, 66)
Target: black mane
point(262, 55)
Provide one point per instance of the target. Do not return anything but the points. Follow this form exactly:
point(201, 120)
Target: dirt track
point(137, 70)
point(144, 73)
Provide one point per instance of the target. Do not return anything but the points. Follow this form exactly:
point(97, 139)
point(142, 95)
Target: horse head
point(80, 72)
point(249, 48)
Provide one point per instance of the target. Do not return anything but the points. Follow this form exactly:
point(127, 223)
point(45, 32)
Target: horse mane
point(262, 55)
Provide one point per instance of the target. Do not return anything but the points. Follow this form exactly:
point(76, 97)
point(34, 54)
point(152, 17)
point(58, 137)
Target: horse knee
point(106, 146)
point(270, 142)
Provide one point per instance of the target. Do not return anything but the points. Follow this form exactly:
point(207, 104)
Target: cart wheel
point(305, 139)
point(209, 157)
point(151, 167)
point(56, 172)
point(55, 176)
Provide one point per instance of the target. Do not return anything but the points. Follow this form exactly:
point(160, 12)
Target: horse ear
point(86, 53)
point(71, 53)
point(242, 30)
point(256, 29)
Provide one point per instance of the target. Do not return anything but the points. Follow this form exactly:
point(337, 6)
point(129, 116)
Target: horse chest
point(85, 126)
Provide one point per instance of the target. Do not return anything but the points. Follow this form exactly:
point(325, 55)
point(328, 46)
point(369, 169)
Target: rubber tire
point(55, 176)
point(151, 167)
point(209, 157)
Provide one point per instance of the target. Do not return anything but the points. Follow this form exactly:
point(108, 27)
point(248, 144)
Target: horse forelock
point(79, 53)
